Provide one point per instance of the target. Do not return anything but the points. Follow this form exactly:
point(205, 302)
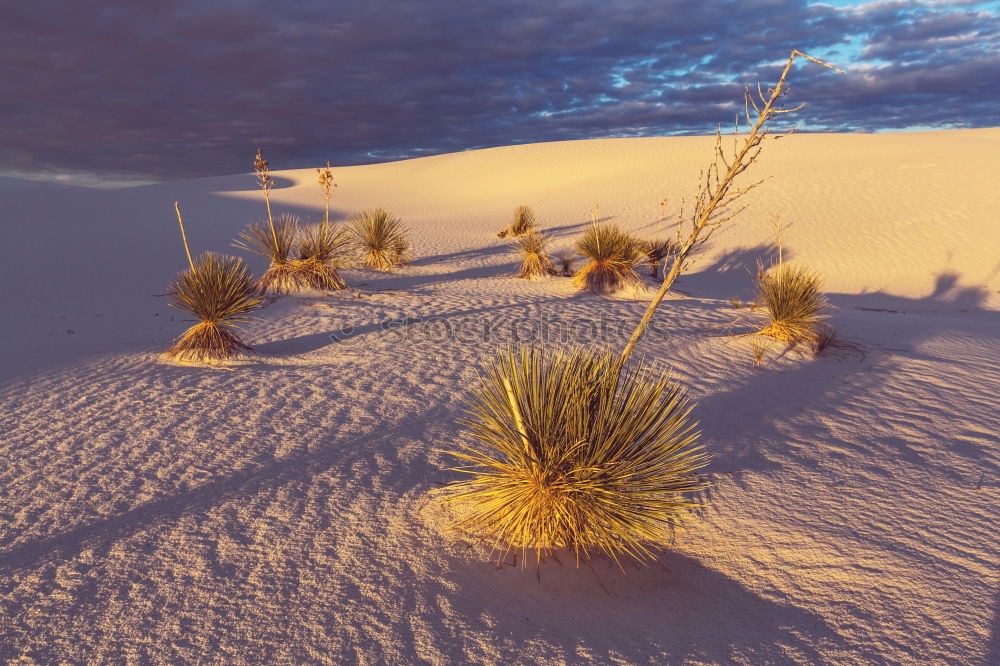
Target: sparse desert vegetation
point(656, 250)
point(535, 261)
point(576, 452)
point(219, 292)
point(275, 241)
point(791, 298)
point(434, 465)
point(524, 222)
point(612, 256)
point(380, 239)
point(323, 249)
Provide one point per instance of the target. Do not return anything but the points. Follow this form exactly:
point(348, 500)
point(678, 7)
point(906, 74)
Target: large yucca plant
point(613, 255)
point(535, 262)
point(275, 243)
point(219, 291)
point(573, 451)
point(322, 250)
point(524, 223)
point(791, 298)
point(380, 237)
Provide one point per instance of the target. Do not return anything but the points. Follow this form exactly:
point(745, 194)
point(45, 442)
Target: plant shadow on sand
point(353, 335)
point(499, 247)
point(671, 610)
point(749, 417)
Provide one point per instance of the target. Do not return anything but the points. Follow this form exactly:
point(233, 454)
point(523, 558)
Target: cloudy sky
point(136, 90)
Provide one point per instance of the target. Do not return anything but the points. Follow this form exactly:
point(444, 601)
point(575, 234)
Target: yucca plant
point(322, 250)
point(275, 241)
point(220, 292)
point(572, 450)
point(613, 255)
point(380, 237)
point(524, 223)
point(564, 262)
point(792, 301)
point(535, 262)
point(655, 251)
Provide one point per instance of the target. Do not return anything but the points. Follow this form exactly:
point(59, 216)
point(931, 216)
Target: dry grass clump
point(758, 348)
point(535, 262)
point(380, 238)
point(565, 262)
point(613, 255)
point(322, 250)
point(219, 291)
point(576, 451)
point(655, 251)
point(792, 301)
point(524, 223)
point(275, 241)
point(825, 338)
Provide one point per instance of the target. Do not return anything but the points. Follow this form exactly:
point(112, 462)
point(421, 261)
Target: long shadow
point(743, 419)
point(499, 246)
point(674, 609)
point(239, 484)
point(948, 295)
point(353, 335)
point(404, 280)
point(731, 274)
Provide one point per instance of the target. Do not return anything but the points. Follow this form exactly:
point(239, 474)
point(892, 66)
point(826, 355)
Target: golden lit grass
point(219, 291)
point(321, 251)
point(275, 243)
point(380, 238)
point(524, 223)
point(575, 451)
point(613, 255)
point(535, 263)
point(792, 301)
point(758, 348)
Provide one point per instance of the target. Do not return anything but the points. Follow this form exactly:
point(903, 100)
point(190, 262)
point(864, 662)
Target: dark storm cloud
point(190, 88)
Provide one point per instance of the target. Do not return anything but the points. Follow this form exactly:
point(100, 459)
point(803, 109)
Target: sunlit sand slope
point(280, 512)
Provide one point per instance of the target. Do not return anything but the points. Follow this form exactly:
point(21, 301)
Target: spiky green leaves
point(573, 451)
point(322, 251)
point(792, 301)
point(380, 237)
point(535, 262)
point(274, 245)
point(613, 255)
point(220, 293)
point(324, 243)
point(220, 289)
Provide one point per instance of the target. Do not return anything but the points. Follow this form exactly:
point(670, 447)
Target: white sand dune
point(279, 511)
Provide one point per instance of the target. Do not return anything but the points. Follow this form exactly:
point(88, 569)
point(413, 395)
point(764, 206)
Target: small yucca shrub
point(380, 237)
point(274, 243)
point(322, 250)
point(564, 262)
point(573, 451)
point(655, 251)
point(792, 301)
point(613, 255)
point(535, 262)
point(524, 223)
point(219, 291)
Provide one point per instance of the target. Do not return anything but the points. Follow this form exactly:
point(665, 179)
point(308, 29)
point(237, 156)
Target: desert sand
point(281, 510)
